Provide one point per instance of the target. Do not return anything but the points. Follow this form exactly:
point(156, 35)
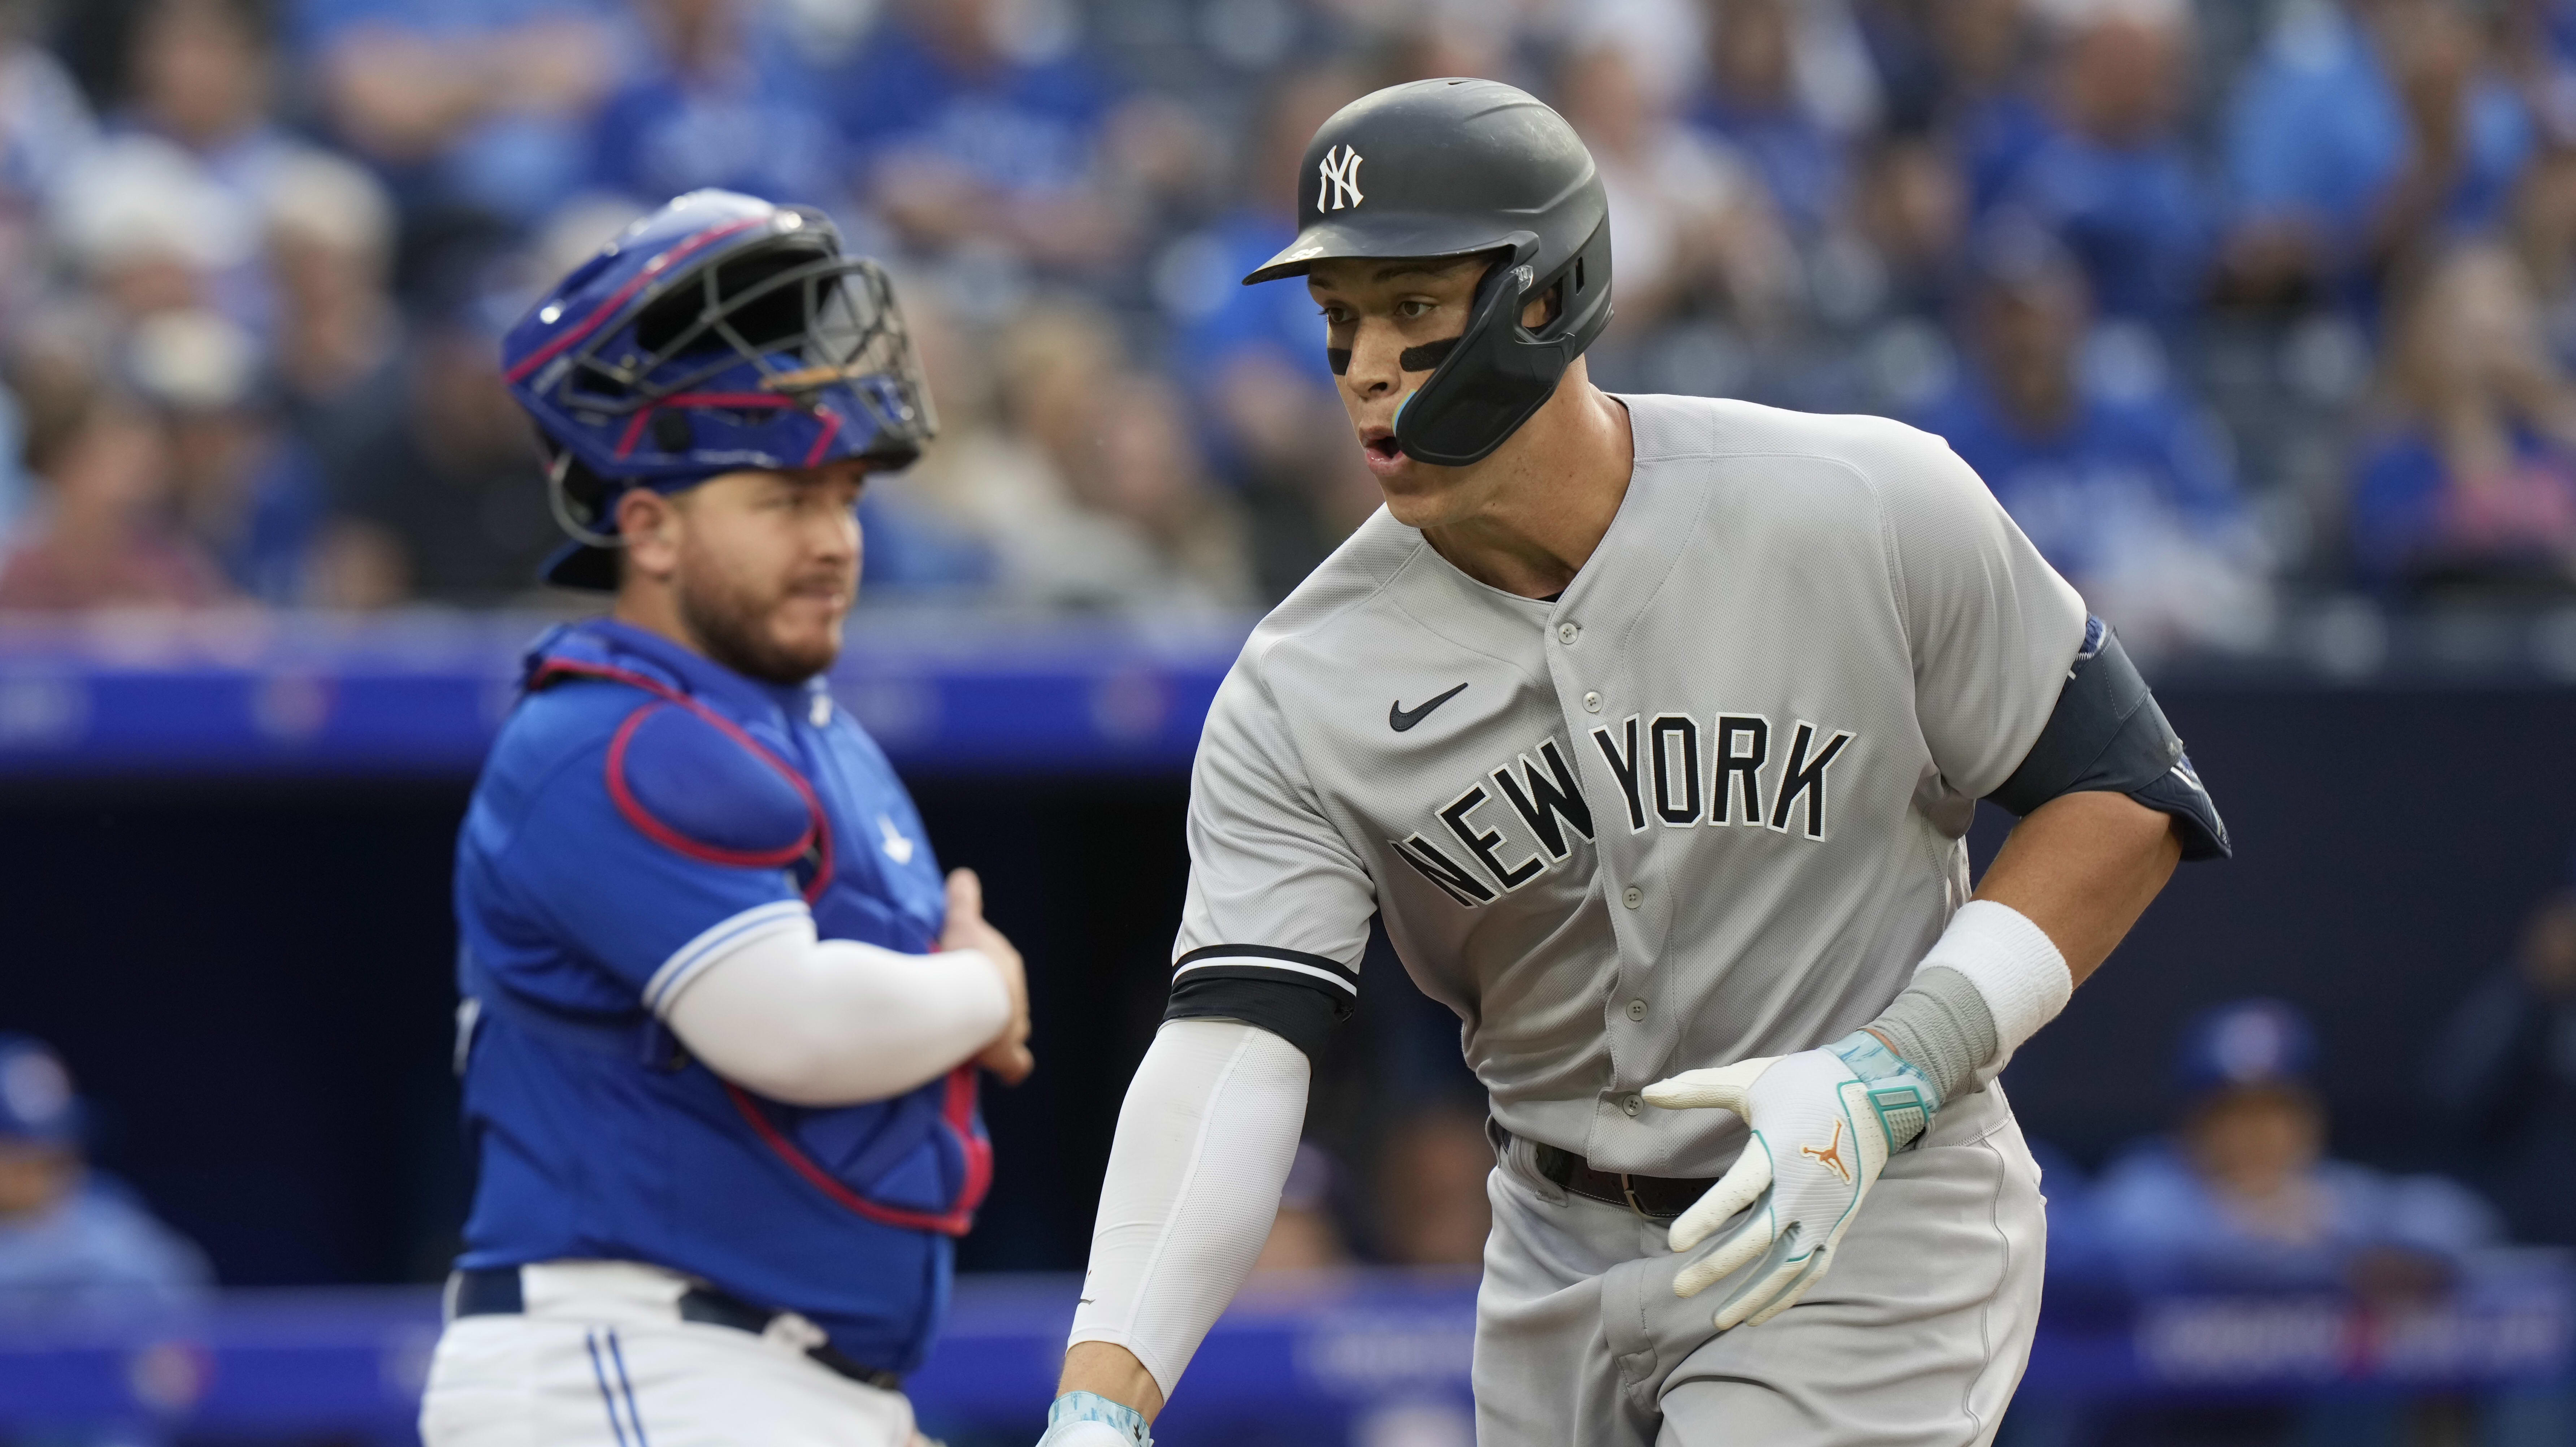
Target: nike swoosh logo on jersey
point(1400, 718)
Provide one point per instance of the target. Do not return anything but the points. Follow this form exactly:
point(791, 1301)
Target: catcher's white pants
point(1915, 1337)
point(601, 1359)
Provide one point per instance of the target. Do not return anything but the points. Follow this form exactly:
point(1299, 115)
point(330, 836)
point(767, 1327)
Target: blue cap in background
point(36, 1099)
point(2245, 1042)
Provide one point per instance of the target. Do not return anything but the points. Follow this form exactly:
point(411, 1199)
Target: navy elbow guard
point(2107, 735)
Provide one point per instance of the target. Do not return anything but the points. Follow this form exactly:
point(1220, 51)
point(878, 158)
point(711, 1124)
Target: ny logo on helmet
point(1341, 187)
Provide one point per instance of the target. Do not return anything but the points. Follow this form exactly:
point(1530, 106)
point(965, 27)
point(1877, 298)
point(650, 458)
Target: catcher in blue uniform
point(722, 1017)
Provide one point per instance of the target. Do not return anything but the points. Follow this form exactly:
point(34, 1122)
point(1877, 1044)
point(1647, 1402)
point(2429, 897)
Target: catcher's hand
point(1824, 1123)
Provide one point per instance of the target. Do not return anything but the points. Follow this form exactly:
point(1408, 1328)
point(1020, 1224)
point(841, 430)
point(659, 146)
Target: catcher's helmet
point(1441, 168)
point(718, 334)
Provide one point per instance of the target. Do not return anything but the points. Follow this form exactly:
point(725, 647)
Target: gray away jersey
point(1708, 805)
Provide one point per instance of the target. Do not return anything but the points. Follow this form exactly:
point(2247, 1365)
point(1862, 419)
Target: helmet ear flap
point(584, 503)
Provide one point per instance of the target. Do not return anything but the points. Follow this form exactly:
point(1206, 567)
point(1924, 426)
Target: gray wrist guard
point(1942, 1027)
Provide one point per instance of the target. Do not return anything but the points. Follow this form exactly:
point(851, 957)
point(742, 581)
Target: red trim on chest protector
point(956, 1112)
point(818, 833)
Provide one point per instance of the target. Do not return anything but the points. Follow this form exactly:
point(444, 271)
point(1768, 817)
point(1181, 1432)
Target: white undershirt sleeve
point(1204, 1144)
point(833, 1022)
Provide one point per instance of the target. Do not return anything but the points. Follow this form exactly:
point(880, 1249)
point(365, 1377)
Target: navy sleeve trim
point(1297, 997)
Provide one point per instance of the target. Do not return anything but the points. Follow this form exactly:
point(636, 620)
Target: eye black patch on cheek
point(1338, 358)
point(1429, 355)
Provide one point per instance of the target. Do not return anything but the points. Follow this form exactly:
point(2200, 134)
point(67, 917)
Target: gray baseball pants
point(1916, 1336)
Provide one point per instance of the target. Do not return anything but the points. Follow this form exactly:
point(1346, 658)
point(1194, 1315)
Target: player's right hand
point(1007, 1056)
point(1824, 1123)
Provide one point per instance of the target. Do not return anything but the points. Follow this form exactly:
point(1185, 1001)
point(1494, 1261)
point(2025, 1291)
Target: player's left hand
point(1824, 1123)
point(1007, 1056)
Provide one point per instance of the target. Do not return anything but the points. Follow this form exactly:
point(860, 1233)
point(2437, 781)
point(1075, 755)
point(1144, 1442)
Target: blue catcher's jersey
point(644, 809)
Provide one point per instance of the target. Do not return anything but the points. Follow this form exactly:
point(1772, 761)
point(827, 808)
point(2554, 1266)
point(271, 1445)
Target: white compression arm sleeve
point(1204, 1144)
point(835, 1022)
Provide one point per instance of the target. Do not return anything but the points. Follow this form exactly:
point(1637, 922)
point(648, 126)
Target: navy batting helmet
point(718, 334)
point(1444, 168)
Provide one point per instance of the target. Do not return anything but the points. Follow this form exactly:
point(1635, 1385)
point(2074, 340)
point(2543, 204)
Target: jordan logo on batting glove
point(1824, 1123)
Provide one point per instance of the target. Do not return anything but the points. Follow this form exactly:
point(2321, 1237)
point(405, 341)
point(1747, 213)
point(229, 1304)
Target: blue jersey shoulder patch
point(691, 783)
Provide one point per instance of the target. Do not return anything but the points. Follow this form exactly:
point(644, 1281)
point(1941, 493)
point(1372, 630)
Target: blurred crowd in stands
point(2231, 302)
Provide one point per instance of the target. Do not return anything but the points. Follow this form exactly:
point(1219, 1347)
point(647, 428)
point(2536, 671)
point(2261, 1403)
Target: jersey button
point(1632, 896)
point(1636, 1009)
point(1567, 633)
point(1632, 1104)
point(1592, 703)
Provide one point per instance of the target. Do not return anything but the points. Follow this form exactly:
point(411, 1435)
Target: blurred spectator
point(150, 230)
point(1142, 522)
point(45, 122)
point(1900, 37)
point(2467, 484)
point(1687, 215)
point(1988, 102)
point(2363, 129)
point(1432, 1208)
point(1884, 282)
point(2243, 1194)
point(1080, 471)
point(445, 501)
point(475, 103)
point(101, 533)
point(1304, 1237)
point(199, 75)
point(70, 1237)
point(1755, 102)
point(2112, 178)
point(2504, 1075)
point(720, 102)
point(45, 127)
point(242, 490)
point(1252, 357)
point(338, 336)
point(1910, 210)
point(1146, 471)
point(2121, 482)
point(970, 132)
point(2542, 234)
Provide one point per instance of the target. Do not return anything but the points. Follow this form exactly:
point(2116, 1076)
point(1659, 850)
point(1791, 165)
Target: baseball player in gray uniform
point(1651, 728)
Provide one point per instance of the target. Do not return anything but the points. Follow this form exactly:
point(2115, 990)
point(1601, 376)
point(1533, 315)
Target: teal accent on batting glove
point(1070, 1411)
point(1903, 1096)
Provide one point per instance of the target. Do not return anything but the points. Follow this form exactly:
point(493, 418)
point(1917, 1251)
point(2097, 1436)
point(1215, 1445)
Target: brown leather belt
point(1658, 1198)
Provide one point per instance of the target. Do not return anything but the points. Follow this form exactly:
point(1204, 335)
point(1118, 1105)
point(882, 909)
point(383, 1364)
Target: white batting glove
point(1087, 1419)
point(1824, 1123)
